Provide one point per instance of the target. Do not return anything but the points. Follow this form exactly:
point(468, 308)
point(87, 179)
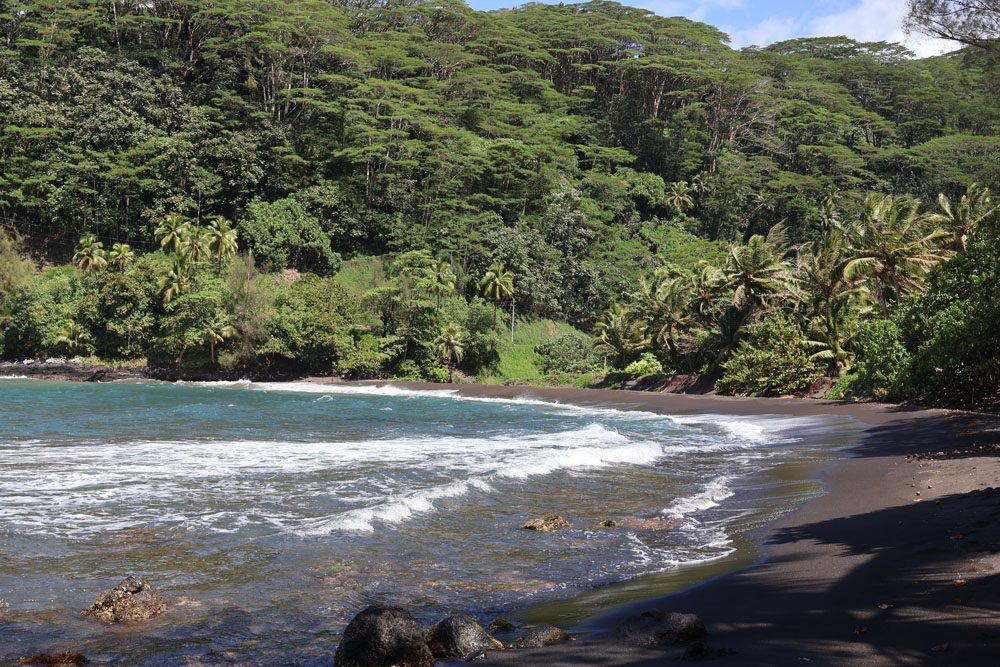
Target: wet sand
point(896, 564)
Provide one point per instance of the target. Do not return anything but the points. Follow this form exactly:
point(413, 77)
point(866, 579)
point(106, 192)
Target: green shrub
point(569, 353)
point(772, 360)
point(284, 234)
point(645, 365)
point(882, 361)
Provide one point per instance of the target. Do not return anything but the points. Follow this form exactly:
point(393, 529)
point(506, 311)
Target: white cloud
point(875, 21)
point(866, 21)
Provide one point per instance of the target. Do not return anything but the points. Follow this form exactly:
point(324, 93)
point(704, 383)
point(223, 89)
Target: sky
point(763, 22)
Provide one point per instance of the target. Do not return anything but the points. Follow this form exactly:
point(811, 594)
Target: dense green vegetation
point(372, 189)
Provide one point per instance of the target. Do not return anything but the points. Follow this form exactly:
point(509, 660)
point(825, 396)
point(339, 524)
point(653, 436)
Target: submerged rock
point(381, 636)
point(547, 523)
point(458, 637)
point(660, 628)
point(543, 635)
point(55, 659)
point(501, 625)
point(131, 600)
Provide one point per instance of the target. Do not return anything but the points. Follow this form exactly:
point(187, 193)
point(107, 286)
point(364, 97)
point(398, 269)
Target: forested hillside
point(244, 150)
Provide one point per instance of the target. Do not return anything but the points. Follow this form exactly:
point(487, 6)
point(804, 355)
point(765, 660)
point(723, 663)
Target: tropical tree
point(497, 285)
point(121, 256)
point(679, 196)
point(450, 347)
point(176, 281)
point(73, 338)
point(963, 218)
point(196, 245)
point(620, 335)
point(892, 245)
point(756, 272)
point(90, 254)
point(830, 303)
point(666, 305)
point(221, 238)
point(173, 231)
point(217, 330)
point(442, 280)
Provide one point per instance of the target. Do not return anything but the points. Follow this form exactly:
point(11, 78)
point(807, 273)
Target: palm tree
point(829, 300)
point(90, 254)
point(73, 338)
point(962, 219)
point(121, 256)
point(620, 335)
point(893, 245)
point(221, 238)
point(679, 197)
point(176, 282)
point(704, 286)
point(666, 305)
point(756, 271)
point(442, 280)
point(450, 347)
point(217, 331)
point(496, 285)
point(173, 231)
point(195, 246)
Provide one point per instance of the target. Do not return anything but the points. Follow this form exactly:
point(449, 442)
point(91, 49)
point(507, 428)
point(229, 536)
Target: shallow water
point(268, 514)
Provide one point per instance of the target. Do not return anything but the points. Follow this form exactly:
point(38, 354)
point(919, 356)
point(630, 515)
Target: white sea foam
point(713, 493)
point(14, 377)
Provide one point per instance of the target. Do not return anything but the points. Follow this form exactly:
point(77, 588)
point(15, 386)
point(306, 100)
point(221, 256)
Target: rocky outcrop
point(459, 637)
point(547, 523)
point(658, 628)
point(608, 523)
point(131, 600)
point(543, 635)
point(381, 636)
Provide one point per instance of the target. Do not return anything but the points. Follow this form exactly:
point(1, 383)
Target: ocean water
point(268, 514)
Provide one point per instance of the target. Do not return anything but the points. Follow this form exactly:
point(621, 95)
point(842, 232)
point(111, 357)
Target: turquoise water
point(268, 514)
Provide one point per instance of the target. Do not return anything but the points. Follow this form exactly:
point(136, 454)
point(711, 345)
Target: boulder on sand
point(547, 523)
point(459, 636)
point(381, 636)
point(660, 628)
point(542, 635)
point(131, 600)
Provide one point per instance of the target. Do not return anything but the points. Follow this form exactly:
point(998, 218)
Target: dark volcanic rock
point(55, 659)
point(543, 635)
point(547, 523)
point(131, 600)
point(660, 628)
point(458, 637)
point(501, 625)
point(383, 637)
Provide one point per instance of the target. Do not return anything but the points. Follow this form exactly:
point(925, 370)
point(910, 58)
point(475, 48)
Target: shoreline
point(864, 574)
point(895, 562)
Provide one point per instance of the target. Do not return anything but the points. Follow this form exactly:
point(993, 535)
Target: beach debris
point(501, 625)
point(547, 523)
point(131, 600)
point(458, 637)
point(885, 605)
point(660, 628)
point(383, 635)
point(54, 659)
point(608, 523)
point(543, 635)
point(958, 582)
point(698, 651)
